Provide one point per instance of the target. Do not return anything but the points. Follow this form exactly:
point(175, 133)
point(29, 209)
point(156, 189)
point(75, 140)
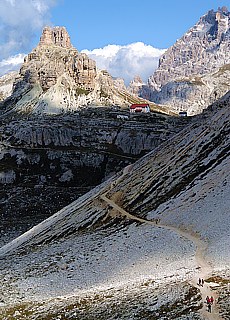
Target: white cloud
point(127, 61)
point(12, 63)
point(19, 22)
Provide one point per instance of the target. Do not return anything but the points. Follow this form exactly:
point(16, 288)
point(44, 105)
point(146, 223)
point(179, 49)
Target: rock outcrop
point(178, 196)
point(187, 74)
point(135, 85)
point(55, 36)
point(194, 94)
point(56, 78)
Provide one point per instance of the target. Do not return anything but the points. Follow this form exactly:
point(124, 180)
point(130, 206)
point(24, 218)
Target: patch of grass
point(19, 311)
point(222, 70)
point(218, 279)
point(81, 91)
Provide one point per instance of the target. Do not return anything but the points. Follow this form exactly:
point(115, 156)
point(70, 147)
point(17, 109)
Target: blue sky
point(123, 36)
point(96, 23)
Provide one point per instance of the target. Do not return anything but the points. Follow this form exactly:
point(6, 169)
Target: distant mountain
point(194, 72)
point(56, 78)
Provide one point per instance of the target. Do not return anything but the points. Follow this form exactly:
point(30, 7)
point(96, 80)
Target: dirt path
point(204, 270)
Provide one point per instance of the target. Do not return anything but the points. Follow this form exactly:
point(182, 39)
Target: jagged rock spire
point(57, 36)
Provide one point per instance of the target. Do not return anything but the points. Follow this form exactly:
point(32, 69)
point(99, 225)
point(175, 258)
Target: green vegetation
point(218, 279)
point(222, 70)
point(80, 91)
point(197, 81)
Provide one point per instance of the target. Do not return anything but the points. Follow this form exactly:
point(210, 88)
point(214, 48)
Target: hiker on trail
point(209, 307)
point(202, 282)
point(211, 300)
point(199, 281)
point(207, 299)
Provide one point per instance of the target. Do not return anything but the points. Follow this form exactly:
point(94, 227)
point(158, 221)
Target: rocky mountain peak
point(57, 36)
point(224, 9)
point(55, 78)
point(190, 70)
point(135, 85)
point(204, 48)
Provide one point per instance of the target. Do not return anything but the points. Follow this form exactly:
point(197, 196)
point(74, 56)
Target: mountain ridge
point(56, 78)
point(188, 77)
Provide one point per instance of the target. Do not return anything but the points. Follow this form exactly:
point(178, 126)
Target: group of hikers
point(209, 301)
point(201, 282)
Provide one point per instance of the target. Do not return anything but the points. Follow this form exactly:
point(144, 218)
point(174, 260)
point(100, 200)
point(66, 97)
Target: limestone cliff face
point(135, 85)
point(202, 52)
point(194, 94)
point(47, 64)
point(180, 174)
point(203, 49)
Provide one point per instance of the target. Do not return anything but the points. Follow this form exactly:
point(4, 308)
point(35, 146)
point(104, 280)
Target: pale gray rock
point(194, 94)
point(203, 49)
point(191, 73)
point(6, 84)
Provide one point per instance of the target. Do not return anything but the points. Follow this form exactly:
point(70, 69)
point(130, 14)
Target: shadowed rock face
point(185, 183)
point(46, 163)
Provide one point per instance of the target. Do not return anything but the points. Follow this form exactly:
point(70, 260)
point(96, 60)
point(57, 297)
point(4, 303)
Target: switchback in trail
point(204, 267)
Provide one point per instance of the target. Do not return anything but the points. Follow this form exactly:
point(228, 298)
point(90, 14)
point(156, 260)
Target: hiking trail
point(204, 270)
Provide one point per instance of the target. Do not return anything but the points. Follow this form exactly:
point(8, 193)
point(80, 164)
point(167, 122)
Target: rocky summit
point(195, 71)
point(56, 78)
point(55, 36)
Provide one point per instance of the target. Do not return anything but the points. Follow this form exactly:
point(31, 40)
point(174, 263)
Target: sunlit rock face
point(55, 36)
point(6, 84)
point(191, 73)
point(56, 78)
